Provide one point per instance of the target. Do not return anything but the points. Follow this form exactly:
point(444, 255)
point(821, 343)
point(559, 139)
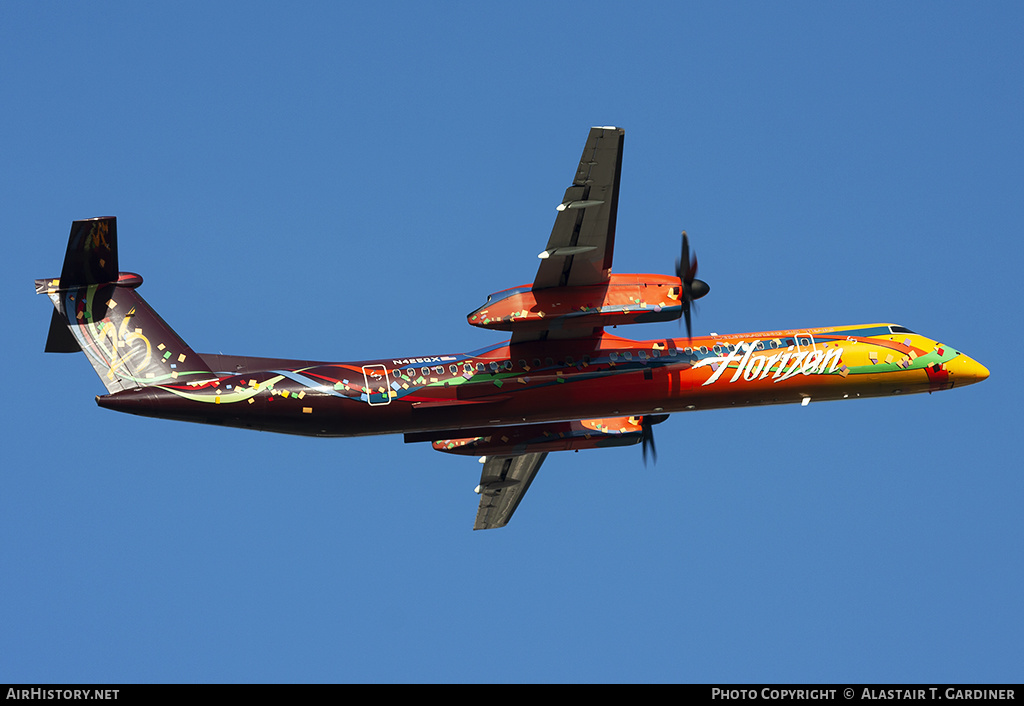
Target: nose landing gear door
point(378, 390)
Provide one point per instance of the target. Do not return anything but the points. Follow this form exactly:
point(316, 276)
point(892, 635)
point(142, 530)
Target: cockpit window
point(899, 329)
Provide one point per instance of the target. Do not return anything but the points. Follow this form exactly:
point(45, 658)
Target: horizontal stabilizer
point(60, 339)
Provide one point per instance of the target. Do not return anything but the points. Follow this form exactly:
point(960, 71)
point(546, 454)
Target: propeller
point(647, 434)
point(692, 288)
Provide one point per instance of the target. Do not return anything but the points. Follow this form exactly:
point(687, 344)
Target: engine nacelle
point(554, 436)
point(625, 299)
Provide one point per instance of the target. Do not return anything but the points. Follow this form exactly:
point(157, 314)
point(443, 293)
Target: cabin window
point(522, 364)
point(480, 368)
point(453, 368)
point(424, 372)
point(536, 362)
point(568, 360)
point(508, 365)
point(439, 370)
point(643, 355)
point(614, 356)
point(493, 366)
point(467, 368)
point(627, 355)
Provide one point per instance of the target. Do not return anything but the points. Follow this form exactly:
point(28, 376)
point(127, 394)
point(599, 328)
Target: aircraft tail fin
point(98, 310)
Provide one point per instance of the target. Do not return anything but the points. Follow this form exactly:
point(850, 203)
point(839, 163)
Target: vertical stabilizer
point(99, 311)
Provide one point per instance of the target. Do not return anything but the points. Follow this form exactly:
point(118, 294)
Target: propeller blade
point(691, 288)
point(689, 260)
point(684, 261)
point(647, 438)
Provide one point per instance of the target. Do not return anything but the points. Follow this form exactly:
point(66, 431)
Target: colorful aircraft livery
point(561, 383)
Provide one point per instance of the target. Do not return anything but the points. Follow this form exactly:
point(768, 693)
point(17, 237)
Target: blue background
point(339, 181)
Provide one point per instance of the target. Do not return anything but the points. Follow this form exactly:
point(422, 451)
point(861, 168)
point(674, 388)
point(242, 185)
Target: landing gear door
point(378, 386)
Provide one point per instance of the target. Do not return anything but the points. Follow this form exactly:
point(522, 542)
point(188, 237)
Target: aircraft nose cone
point(966, 371)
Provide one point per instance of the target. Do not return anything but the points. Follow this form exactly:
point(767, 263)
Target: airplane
point(561, 382)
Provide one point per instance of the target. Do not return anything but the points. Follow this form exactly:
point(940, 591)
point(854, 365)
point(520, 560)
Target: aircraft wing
point(503, 483)
point(579, 251)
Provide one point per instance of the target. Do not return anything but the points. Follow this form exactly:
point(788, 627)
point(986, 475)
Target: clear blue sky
point(336, 182)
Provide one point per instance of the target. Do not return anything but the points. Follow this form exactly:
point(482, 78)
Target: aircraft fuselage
point(605, 376)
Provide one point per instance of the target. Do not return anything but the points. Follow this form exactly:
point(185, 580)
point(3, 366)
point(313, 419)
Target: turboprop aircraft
point(562, 382)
